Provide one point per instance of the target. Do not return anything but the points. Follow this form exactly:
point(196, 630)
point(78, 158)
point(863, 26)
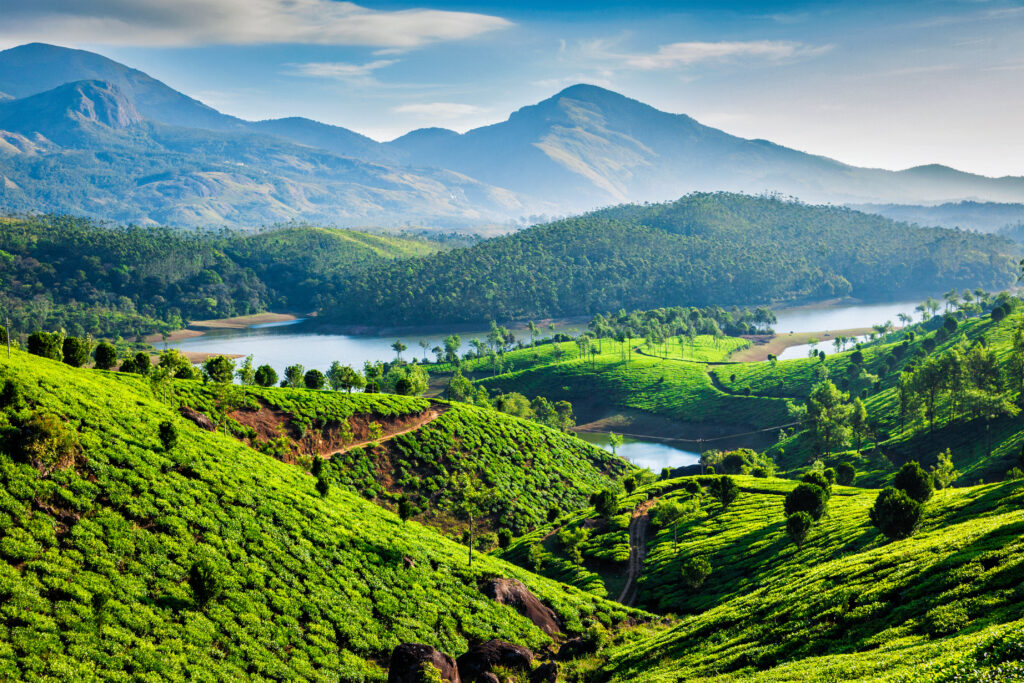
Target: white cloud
point(440, 110)
point(341, 71)
point(234, 22)
point(688, 54)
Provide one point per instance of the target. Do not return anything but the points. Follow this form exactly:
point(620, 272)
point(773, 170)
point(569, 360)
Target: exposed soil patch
point(199, 327)
point(271, 423)
point(763, 344)
point(637, 550)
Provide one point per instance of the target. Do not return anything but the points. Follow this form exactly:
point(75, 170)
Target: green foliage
point(206, 581)
point(895, 513)
point(846, 473)
point(76, 351)
point(265, 376)
point(808, 498)
point(314, 379)
point(914, 481)
point(695, 571)
point(700, 250)
point(106, 356)
point(724, 489)
point(798, 524)
point(46, 344)
point(294, 376)
point(605, 503)
point(168, 432)
point(219, 369)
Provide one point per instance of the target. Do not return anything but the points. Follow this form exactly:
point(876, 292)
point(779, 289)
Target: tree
point(808, 498)
point(605, 503)
point(845, 474)
point(46, 344)
point(76, 351)
point(819, 479)
point(629, 483)
point(469, 503)
point(798, 525)
point(142, 364)
point(668, 513)
point(859, 426)
point(552, 514)
point(219, 369)
point(943, 473)
point(829, 415)
point(895, 513)
point(614, 440)
point(914, 481)
point(168, 435)
point(106, 356)
point(246, 374)
point(724, 489)
point(293, 376)
point(314, 379)
point(504, 538)
point(265, 376)
point(405, 509)
point(398, 346)
point(535, 556)
point(695, 571)
point(572, 540)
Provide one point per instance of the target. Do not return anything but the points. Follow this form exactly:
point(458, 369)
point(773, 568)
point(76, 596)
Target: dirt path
point(428, 416)
point(637, 551)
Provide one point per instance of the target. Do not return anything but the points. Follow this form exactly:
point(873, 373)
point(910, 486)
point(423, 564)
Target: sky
point(878, 84)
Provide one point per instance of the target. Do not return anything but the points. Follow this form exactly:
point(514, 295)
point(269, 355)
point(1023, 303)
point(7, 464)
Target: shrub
point(139, 365)
point(724, 489)
point(819, 480)
point(695, 571)
point(265, 376)
point(168, 435)
point(895, 513)
point(403, 387)
point(106, 356)
point(798, 525)
point(553, 513)
point(914, 481)
point(846, 474)
point(323, 486)
point(629, 483)
point(205, 581)
point(605, 503)
point(809, 498)
point(504, 538)
point(946, 619)
point(405, 510)
point(47, 345)
point(75, 351)
point(47, 443)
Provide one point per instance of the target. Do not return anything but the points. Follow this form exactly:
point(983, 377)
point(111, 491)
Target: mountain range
point(80, 133)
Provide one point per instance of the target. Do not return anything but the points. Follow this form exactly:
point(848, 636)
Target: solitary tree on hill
point(398, 347)
point(798, 525)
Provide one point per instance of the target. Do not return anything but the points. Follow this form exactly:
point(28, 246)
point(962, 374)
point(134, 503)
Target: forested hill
point(58, 271)
point(702, 249)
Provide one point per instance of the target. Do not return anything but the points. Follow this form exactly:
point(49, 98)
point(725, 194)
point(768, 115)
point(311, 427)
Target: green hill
point(59, 271)
point(123, 559)
point(702, 249)
point(849, 605)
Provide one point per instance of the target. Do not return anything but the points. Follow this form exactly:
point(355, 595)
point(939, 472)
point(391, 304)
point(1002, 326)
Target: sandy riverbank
point(762, 345)
point(198, 328)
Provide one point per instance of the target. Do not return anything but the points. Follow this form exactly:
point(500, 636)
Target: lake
point(282, 344)
point(654, 455)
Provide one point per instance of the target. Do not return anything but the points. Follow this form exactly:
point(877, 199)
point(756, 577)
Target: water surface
point(654, 455)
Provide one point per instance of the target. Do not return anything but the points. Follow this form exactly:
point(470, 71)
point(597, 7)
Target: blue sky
point(888, 85)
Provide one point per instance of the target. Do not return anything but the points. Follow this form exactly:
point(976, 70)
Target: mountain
point(980, 216)
point(587, 145)
point(100, 158)
point(704, 249)
point(582, 148)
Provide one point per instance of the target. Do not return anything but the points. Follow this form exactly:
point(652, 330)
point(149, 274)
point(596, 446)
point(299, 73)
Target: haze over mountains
point(83, 134)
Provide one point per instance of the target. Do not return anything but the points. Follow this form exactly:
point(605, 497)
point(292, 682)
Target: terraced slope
point(122, 558)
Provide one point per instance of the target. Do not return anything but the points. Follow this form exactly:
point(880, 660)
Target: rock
point(201, 420)
point(516, 595)
point(408, 660)
point(545, 673)
point(483, 657)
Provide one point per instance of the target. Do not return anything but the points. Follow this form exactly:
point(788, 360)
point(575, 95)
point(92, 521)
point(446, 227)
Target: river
point(654, 455)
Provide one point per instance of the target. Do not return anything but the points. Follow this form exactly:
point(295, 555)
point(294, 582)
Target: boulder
point(516, 595)
point(409, 659)
point(545, 673)
point(201, 420)
point(483, 657)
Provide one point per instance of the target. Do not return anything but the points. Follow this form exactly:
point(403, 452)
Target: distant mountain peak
point(97, 102)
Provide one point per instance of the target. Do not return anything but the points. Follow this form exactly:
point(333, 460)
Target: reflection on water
point(654, 455)
point(824, 318)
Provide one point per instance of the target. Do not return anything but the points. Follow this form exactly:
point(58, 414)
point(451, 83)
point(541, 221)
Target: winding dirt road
point(637, 551)
point(435, 411)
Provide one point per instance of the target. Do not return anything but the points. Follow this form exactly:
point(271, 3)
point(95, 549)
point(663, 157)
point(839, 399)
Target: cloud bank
point(234, 22)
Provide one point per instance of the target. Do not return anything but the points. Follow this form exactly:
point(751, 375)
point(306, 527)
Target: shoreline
point(762, 345)
point(197, 328)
